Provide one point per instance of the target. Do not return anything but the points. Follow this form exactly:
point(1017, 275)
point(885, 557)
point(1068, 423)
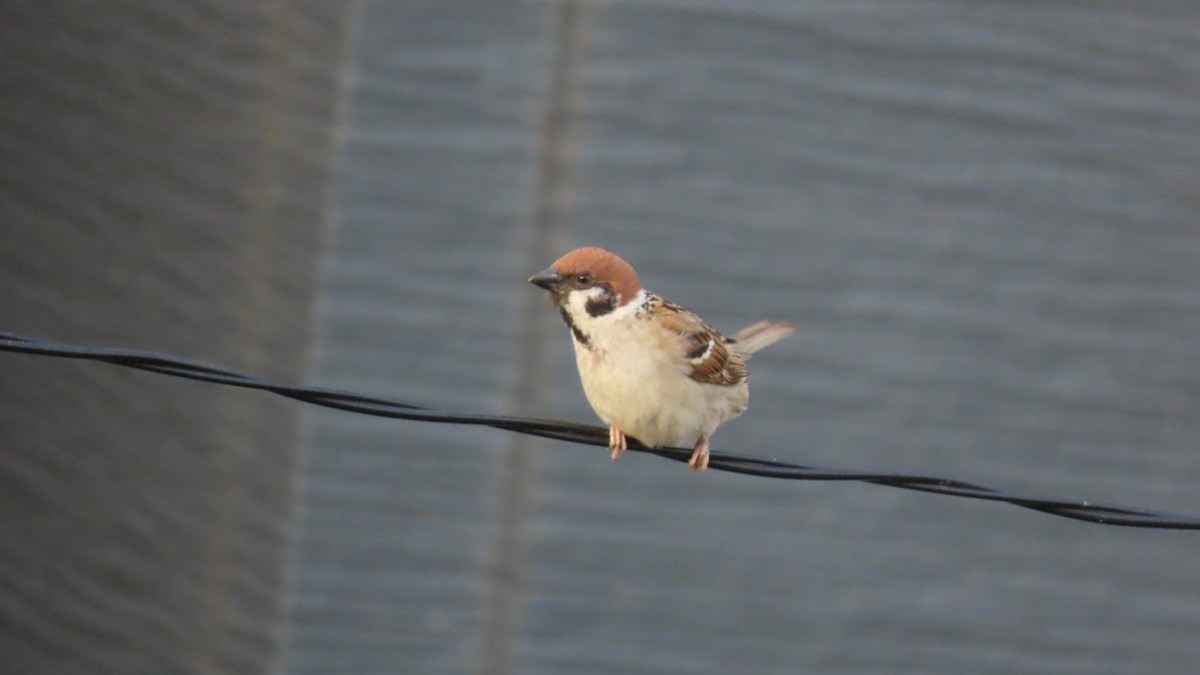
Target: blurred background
point(983, 214)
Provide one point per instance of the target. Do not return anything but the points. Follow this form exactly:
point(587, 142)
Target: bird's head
point(589, 283)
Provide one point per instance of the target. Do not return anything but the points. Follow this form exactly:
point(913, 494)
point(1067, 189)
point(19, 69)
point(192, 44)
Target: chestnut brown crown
point(591, 265)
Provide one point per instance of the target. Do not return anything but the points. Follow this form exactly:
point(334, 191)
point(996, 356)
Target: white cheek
point(600, 329)
point(577, 303)
point(631, 307)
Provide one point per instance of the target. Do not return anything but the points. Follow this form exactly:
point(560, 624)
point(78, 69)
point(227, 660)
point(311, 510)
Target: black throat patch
point(579, 335)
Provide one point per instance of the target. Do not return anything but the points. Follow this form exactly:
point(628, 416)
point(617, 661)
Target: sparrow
point(650, 368)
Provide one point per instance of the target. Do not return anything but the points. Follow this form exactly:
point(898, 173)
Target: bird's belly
point(655, 401)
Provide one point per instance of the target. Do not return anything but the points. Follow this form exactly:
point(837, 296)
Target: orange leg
point(616, 441)
point(699, 459)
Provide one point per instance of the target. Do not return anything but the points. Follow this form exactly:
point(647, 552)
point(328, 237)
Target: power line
point(589, 435)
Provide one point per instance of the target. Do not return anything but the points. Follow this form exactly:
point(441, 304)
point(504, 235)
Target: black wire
point(590, 435)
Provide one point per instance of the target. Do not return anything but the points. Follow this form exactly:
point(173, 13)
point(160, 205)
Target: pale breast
point(647, 393)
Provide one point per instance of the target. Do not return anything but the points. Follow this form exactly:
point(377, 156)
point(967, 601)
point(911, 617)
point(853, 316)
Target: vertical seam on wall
point(282, 638)
point(510, 553)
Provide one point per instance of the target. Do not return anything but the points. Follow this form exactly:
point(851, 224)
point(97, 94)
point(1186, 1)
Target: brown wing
point(705, 351)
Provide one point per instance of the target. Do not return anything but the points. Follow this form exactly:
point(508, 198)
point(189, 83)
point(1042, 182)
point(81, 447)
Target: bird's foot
point(699, 459)
point(616, 441)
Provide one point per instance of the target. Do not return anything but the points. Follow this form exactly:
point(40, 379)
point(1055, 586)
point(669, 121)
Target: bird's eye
point(584, 280)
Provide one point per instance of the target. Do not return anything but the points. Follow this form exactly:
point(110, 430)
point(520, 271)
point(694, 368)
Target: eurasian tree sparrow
point(650, 368)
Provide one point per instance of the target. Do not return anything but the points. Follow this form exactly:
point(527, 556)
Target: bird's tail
point(762, 334)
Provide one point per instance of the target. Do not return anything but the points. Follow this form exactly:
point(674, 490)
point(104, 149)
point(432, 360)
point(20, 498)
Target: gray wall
point(163, 177)
point(983, 214)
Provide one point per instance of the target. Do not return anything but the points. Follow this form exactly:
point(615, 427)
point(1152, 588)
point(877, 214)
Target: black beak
point(547, 279)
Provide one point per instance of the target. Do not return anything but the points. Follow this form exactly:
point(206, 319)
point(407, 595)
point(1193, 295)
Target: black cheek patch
point(603, 304)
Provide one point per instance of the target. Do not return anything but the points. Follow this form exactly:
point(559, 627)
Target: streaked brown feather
point(705, 350)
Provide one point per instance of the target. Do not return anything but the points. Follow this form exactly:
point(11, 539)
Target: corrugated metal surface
point(162, 174)
point(983, 214)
